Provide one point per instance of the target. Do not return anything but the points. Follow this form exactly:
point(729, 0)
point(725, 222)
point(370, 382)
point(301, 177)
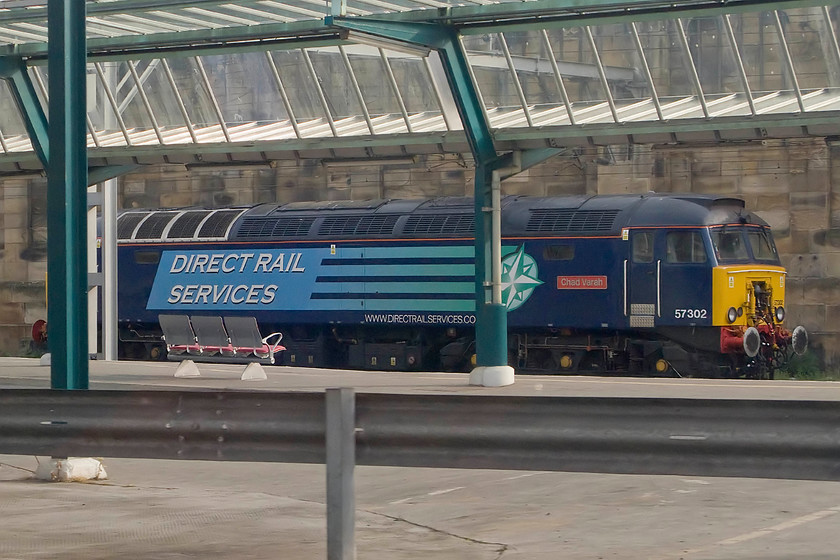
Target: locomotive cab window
point(684, 247)
point(730, 244)
point(643, 247)
point(762, 246)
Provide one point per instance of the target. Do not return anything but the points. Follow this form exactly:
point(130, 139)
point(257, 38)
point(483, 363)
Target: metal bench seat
point(179, 335)
point(211, 338)
point(246, 339)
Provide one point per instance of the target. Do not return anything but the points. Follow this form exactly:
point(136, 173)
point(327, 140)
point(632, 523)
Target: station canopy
point(208, 82)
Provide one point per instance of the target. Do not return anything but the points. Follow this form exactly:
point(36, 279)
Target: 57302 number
point(690, 313)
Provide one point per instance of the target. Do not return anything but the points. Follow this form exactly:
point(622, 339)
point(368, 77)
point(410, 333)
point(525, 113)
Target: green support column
point(67, 197)
point(491, 315)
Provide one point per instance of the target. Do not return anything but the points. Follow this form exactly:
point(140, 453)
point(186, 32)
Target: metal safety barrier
point(741, 438)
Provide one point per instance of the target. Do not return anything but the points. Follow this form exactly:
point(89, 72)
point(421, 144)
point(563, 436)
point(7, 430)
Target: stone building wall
point(794, 185)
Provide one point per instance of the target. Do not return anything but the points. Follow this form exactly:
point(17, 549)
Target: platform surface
point(151, 509)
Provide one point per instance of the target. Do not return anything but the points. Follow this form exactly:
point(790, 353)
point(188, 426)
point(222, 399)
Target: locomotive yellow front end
point(749, 302)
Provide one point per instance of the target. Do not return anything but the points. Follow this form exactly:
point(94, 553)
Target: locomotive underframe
point(667, 352)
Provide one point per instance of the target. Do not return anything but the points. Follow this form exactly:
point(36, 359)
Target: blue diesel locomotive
point(628, 284)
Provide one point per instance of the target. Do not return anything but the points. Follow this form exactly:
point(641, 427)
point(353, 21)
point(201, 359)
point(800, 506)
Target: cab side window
point(643, 247)
point(684, 247)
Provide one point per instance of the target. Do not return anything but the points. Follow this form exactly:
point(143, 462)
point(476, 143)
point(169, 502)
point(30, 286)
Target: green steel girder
point(708, 9)
point(102, 174)
point(67, 313)
point(294, 34)
point(34, 119)
point(512, 163)
point(593, 130)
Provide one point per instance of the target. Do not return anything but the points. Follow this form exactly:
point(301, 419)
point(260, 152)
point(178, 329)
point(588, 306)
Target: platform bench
point(212, 338)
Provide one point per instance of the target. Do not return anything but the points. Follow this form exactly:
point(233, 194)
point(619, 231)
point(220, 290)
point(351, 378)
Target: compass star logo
point(519, 278)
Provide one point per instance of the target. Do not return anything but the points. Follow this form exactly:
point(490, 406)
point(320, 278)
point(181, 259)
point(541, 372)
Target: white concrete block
point(253, 371)
point(492, 376)
point(71, 469)
point(187, 368)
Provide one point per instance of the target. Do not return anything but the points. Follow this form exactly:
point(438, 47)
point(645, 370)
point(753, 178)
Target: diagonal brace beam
point(105, 172)
point(13, 69)
point(445, 41)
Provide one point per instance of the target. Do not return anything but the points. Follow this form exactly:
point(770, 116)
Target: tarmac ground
point(154, 509)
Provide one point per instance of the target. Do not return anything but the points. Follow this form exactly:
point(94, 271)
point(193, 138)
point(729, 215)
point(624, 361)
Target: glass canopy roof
point(750, 74)
point(110, 18)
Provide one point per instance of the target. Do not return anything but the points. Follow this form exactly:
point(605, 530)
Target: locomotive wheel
point(157, 353)
point(799, 340)
point(752, 342)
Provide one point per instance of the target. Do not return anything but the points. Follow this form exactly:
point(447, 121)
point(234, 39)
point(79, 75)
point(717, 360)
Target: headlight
point(780, 314)
point(732, 315)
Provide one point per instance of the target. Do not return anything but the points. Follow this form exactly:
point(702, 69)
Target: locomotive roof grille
point(154, 225)
point(127, 224)
point(218, 224)
point(448, 224)
point(275, 227)
point(185, 225)
point(341, 226)
point(564, 220)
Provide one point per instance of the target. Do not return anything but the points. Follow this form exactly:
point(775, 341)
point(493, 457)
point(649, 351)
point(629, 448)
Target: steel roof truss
point(215, 102)
point(515, 77)
point(128, 76)
point(265, 15)
point(395, 88)
point(742, 73)
point(181, 107)
point(637, 42)
point(601, 73)
point(145, 100)
point(356, 89)
point(159, 24)
point(192, 22)
point(558, 79)
point(283, 95)
point(226, 18)
point(110, 96)
point(691, 68)
point(319, 90)
point(832, 36)
point(436, 90)
point(787, 59)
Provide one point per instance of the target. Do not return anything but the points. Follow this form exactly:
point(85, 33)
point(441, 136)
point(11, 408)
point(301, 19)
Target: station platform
point(154, 509)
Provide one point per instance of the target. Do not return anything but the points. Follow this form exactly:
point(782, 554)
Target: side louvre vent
point(273, 227)
point(185, 225)
point(560, 220)
point(153, 227)
point(339, 226)
point(450, 224)
point(127, 223)
point(217, 224)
